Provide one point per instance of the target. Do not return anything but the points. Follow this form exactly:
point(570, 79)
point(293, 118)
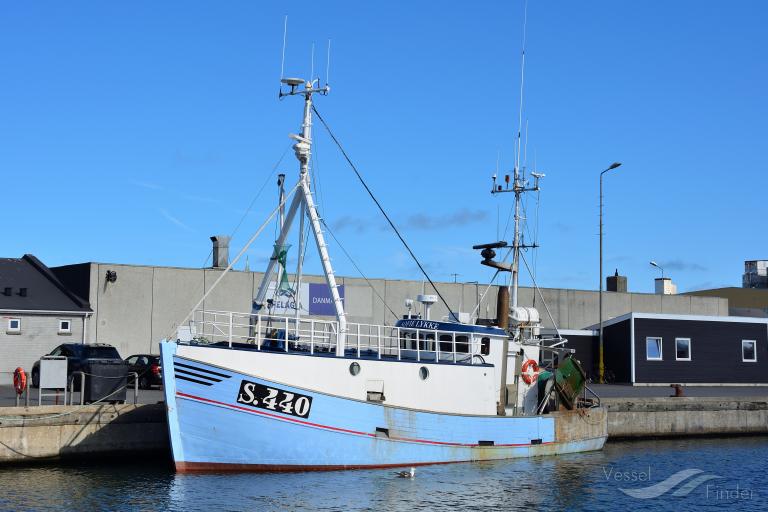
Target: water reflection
point(571, 482)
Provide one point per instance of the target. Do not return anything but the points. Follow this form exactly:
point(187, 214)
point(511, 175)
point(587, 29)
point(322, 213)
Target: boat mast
point(305, 200)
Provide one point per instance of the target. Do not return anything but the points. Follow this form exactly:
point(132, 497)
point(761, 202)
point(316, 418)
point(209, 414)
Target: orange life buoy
point(19, 380)
point(530, 371)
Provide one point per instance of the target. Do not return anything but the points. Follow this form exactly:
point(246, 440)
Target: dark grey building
point(662, 349)
point(37, 313)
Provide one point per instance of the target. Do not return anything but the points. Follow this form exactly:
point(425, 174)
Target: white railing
point(278, 333)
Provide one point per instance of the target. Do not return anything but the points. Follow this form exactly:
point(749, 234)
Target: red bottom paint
point(219, 467)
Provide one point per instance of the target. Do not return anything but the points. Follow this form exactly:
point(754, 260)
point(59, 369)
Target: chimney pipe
point(502, 307)
point(220, 251)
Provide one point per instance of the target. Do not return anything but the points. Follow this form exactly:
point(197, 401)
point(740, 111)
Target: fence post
point(136, 375)
point(82, 388)
point(258, 332)
point(312, 336)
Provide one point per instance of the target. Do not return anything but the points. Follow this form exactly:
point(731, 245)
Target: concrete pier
point(643, 418)
point(54, 432)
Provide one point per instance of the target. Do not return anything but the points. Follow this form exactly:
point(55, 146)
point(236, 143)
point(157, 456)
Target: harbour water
point(674, 475)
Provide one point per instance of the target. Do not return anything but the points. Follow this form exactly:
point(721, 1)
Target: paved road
point(624, 391)
point(150, 396)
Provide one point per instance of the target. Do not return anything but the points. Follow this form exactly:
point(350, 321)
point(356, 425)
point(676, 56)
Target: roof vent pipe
point(220, 251)
point(502, 307)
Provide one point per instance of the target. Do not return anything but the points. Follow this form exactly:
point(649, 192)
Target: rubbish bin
point(105, 378)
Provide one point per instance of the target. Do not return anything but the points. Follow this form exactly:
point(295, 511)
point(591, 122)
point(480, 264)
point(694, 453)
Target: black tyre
point(35, 379)
point(144, 383)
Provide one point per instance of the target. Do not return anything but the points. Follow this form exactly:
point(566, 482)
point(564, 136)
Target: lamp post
point(654, 264)
point(601, 364)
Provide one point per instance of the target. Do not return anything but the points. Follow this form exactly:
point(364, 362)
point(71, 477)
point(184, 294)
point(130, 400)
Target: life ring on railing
point(530, 371)
point(19, 380)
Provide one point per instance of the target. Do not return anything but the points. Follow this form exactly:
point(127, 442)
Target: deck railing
point(277, 333)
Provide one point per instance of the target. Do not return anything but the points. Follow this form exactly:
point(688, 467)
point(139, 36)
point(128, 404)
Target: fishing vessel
point(261, 391)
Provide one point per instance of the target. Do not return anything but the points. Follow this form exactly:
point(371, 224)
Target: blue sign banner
point(320, 299)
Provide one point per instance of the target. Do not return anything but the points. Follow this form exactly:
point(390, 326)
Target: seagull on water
point(406, 474)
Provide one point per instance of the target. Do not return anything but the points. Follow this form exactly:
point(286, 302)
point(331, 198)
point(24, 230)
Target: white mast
point(305, 200)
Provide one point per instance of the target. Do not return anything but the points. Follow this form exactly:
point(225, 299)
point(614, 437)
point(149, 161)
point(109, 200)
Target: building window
point(653, 349)
point(65, 326)
point(748, 352)
point(683, 349)
point(14, 326)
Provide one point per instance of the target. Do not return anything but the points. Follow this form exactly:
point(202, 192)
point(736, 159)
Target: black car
point(77, 354)
point(147, 366)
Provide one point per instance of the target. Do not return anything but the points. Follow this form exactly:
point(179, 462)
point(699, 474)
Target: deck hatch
point(485, 443)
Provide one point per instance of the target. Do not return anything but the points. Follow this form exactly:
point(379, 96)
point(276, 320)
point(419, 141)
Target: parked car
point(147, 366)
point(77, 354)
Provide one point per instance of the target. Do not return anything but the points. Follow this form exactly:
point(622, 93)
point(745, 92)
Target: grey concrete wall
point(39, 335)
point(671, 417)
point(38, 433)
point(124, 308)
point(146, 304)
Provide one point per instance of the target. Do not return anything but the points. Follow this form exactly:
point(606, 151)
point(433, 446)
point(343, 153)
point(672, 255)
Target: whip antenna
point(328, 65)
point(282, 58)
point(312, 63)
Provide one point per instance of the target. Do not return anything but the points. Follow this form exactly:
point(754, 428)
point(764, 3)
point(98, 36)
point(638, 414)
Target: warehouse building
point(136, 306)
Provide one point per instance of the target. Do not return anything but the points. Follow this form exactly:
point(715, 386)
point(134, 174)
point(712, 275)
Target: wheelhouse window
point(14, 326)
point(65, 326)
point(748, 351)
point(653, 349)
point(683, 349)
point(446, 343)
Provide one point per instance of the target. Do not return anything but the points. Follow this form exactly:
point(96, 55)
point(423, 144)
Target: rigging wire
point(358, 268)
point(253, 201)
point(549, 313)
point(237, 258)
point(370, 193)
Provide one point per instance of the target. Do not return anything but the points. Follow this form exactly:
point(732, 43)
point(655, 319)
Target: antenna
point(282, 59)
point(525, 148)
point(328, 65)
point(522, 83)
point(312, 65)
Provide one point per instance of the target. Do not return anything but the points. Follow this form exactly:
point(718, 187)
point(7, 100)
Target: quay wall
point(645, 418)
point(58, 431)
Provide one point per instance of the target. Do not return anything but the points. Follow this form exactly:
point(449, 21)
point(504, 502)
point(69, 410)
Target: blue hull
point(214, 426)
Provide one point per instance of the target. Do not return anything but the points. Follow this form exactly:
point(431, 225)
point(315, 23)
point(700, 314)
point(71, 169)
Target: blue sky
point(133, 131)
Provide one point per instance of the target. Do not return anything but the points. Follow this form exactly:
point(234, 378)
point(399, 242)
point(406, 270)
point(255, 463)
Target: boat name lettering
point(420, 324)
point(274, 399)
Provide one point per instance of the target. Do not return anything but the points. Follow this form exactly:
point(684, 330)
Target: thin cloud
point(147, 185)
point(460, 218)
point(356, 224)
point(176, 221)
point(682, 266)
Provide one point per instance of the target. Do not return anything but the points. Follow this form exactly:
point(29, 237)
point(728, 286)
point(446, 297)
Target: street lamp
point(601, 366)
point(654, 264)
